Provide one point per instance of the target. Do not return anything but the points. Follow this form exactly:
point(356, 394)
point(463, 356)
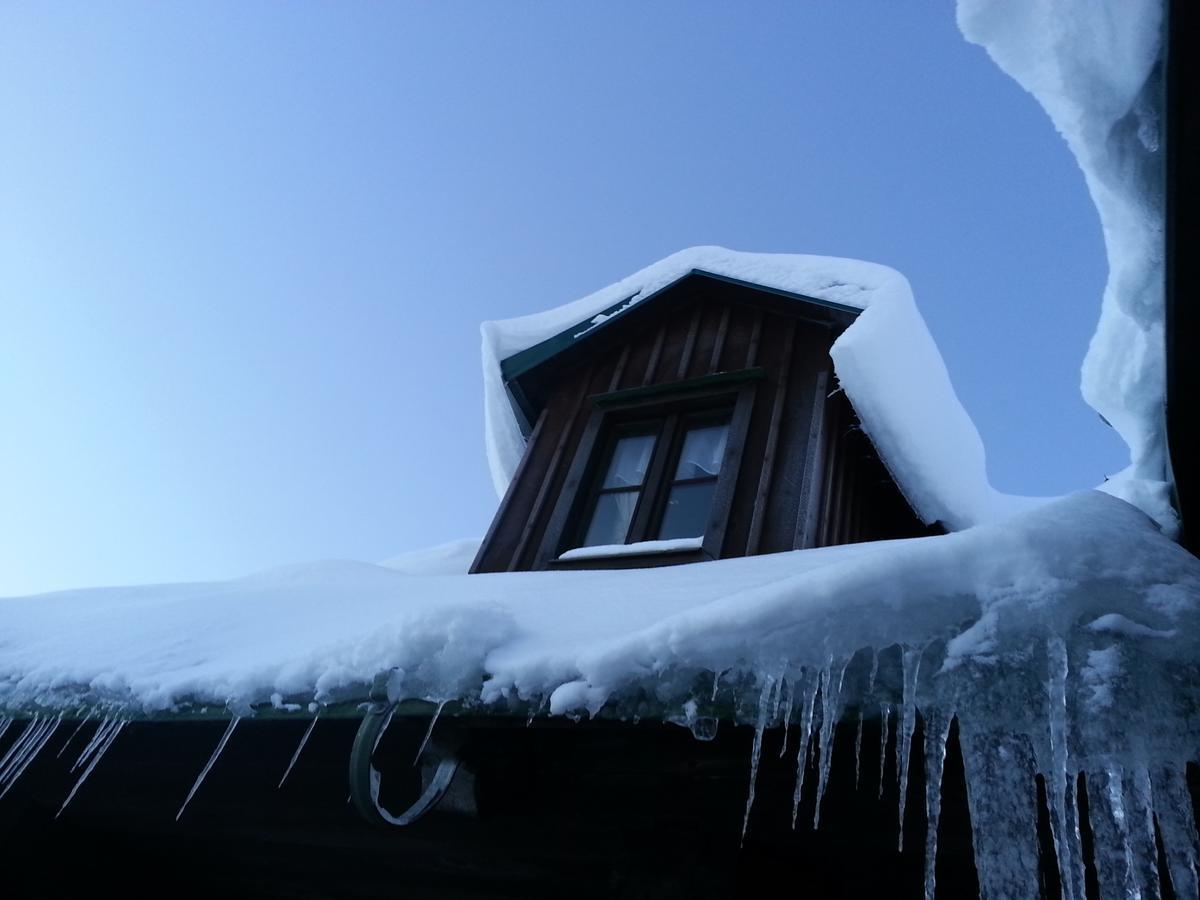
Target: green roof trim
point(518, 364)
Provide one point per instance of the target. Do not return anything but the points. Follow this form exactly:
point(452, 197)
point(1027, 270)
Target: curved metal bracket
point(365, 779)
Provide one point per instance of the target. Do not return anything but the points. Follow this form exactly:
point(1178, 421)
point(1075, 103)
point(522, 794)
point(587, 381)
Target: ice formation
point(1064, 640)
point(886, 362)
point(1095, 66)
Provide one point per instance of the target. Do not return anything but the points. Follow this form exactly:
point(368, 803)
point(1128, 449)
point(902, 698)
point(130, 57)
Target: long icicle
point(808, 701)
point(296, 755)
point(831, 700)
point(98, 737)
point(937, 731)
point(885, 717)
point(95, 761)
point(78, 728)
point(429, 731)
point(208, 765)
point(764, 701)
point(911, 662)
point(32, 754)
point(19, 744)
point(23, 746)
point(1060, 787)
point(787, 714)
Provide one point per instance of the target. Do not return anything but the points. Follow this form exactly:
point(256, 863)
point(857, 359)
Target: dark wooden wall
point(808, 477)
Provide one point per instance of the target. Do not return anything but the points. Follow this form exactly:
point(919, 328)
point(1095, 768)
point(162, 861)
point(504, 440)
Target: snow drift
point(1096, 68)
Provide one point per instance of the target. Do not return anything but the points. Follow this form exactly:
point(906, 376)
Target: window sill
point(641, 548)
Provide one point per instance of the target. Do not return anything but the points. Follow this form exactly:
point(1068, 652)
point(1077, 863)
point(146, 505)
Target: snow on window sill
point(641, 548)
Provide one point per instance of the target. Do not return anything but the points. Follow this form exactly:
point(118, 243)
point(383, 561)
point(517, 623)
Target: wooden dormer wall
point(808, 476)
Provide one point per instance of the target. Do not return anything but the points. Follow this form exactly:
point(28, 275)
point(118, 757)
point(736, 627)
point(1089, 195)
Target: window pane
point(611, 518)
point(630, 459)
point(703, 449)
point(688, 506)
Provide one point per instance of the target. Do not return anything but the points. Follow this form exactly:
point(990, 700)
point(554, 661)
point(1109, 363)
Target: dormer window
point(629, 507)
point(654, 473)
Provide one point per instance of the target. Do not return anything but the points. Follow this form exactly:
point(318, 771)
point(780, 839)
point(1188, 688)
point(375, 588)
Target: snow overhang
point(885, 360)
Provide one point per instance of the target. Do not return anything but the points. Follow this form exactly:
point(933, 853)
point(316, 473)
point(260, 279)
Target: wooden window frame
point(671, 403)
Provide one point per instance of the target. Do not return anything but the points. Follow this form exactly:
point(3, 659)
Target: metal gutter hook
point(365, 779)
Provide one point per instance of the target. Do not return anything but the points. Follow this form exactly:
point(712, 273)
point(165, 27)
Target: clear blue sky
point(245, 247)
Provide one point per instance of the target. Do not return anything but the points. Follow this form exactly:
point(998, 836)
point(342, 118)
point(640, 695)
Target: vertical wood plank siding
point(809, 476)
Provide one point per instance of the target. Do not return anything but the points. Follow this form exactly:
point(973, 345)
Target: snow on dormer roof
point(886, 361)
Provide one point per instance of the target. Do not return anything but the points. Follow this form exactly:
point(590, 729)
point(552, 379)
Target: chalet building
point(702, 422)
point(698, 420)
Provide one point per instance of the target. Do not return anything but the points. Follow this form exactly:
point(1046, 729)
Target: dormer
point(697, 421)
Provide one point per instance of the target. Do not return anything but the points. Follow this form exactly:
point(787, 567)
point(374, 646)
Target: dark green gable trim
point(519, 364)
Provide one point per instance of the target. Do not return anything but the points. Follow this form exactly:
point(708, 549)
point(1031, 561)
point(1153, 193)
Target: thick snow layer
point(1088, 568)
point(1095, 66)
point(886, 362)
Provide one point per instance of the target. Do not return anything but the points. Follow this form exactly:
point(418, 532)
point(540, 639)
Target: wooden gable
point(806, 475)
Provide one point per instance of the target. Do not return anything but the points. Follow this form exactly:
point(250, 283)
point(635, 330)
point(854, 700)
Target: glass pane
point(630, 459)
point(688, 506)
point(611, 518)
point(703, 449)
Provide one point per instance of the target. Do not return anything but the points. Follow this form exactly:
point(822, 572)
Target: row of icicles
point(41, 728)
point(999, 785)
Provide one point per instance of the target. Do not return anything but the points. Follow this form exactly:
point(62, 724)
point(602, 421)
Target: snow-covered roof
point(1064, 639)
point(886, 362)
point(323, 631)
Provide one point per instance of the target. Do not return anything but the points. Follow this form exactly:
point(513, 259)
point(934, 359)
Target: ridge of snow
point(886, 361)
point(1095, 67)
point(1084, 565)
point(450, 558)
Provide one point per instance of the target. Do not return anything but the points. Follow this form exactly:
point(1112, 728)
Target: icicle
point(858, 748)
point(808, 699)
point(871, 675)
point(30, 754)
point(1139, 811)
point(23, 746)
point(1176, 824)
point(20, 743)
point(1060, 787)
point(5, 721)
point(716, 685)
point(67, 742)
point(885, 718)
point(831, 706)
point(764, 701)
point(98, 736)
point(787, 714)
point(1116, 866)
point(96, 757)
point(208, 765)
point(937, 730)
point(296, 755)
point(429, 731)
point(1002, 799)
point(911, 662)
point(781, 682)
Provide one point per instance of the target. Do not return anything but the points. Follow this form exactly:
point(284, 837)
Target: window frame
point(670, 404)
